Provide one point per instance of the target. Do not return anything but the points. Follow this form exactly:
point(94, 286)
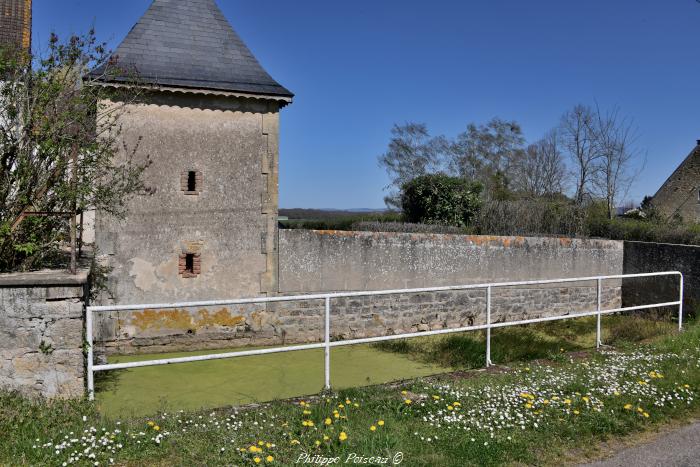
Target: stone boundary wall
point(320, 261)
point(643, 257)
point(41, 333)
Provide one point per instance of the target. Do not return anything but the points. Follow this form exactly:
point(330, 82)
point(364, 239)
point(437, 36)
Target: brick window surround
point(191, 182)
point(190, 265)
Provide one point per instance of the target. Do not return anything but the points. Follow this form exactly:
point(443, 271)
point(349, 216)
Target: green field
point(236, 381)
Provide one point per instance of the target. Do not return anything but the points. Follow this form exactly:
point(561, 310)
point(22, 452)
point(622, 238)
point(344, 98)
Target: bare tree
point(620, 160)
point(412, 152)
point(578, 138)
point(541, 171)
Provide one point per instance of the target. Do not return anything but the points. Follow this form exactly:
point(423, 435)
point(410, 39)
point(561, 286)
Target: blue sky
point(357, 67)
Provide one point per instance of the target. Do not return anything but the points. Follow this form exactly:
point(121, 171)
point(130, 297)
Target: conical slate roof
point(190, 44)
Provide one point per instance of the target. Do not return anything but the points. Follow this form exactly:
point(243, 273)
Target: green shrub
point(441, 199)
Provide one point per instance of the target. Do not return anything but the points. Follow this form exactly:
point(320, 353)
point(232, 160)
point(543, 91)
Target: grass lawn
point(545, 412)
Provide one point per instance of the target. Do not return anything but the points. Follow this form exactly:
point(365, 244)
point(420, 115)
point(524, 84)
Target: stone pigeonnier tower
point(208, 119)
point(16, 24)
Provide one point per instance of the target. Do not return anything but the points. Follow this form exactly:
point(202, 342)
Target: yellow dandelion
point(528, 406)
point(317, 443)
point(355, 404)
point(567, 401)
point(628, 406)
point(256, 459)
point(336, 415)
point(640, 410)
point(157, 428)
point(643, 383)
point(325, 438)
point(456, 404)
point(404, 393)
point(328, 421)
point(342, 436)
point(253, 448)
point(545, 402)
point(269, 458)
point(576, 412)
point(585, 399)
point(437, 398)
point(449, 407)
point(373, 428)
point(687, 386)
point(268, 445)
point(261, 443)
point(307, 412)
point(150, 423)
point(341, 406)
point(294, 441)
point(348, 401)
point(617, 393)
point(380, 423)
point(646, 415)
point(408, 401)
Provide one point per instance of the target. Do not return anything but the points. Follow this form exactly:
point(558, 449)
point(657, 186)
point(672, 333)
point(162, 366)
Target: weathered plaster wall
point(231, 223)
point(41, 333)
point(641, 257)
point(680, 194)
point(314, 261)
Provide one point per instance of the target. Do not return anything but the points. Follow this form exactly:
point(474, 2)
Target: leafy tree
point(58, 142)
point(441, 199)
point(488, 153)
point(412, 152)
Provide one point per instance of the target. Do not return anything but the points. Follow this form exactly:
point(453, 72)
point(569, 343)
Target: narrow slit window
point(189, 263)
point(191, 180)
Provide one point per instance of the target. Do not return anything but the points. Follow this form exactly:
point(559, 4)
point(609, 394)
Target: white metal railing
point(327, 344)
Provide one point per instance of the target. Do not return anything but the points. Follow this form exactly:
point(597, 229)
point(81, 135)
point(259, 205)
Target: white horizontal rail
point(327, 344)
point(322, 296)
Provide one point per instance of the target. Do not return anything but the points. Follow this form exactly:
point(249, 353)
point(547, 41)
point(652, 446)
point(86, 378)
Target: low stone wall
point(41, 333)
point(641, 257)
point(303, 321)
point(318, 261)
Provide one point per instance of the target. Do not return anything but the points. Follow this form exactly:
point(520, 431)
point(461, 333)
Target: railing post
point(88, 341)
point(598, 338)
point(488, 329)
point(328, 343)
point(680, 307)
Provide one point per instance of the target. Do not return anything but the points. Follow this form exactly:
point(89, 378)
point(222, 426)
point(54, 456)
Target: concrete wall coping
point(478, 240)
point(44, 278)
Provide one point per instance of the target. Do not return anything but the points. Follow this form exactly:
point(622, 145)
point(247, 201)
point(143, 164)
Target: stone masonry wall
point(312, 261)
point(641, 257)
point(41, 333)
